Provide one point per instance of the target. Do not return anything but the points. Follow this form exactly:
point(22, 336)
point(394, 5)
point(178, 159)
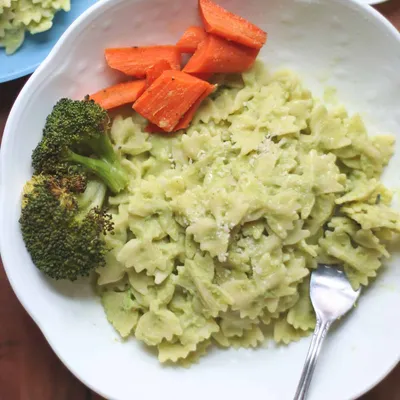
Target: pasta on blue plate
point(20, 16)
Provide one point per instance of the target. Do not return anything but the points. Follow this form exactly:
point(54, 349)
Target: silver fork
point(332, 297)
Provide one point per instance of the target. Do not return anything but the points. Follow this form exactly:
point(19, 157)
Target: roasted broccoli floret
point(62, 223)
point(75, 141)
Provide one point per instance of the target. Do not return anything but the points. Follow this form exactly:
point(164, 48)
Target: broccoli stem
point(111, 173)
point(93, 196)
point(102, 147)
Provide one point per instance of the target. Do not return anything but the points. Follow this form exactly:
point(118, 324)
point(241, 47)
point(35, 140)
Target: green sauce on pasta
point(20, 16)
point(220, 226)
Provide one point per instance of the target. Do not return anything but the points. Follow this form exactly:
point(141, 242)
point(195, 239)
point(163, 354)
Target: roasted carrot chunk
point(152, 128)
point(230, 26)
point(168, 99)
point(120, 94)
point(187, 118)
point(217, 55)
point(156, 70)
point(190, 39)
point(205, 76)
point(135, 61)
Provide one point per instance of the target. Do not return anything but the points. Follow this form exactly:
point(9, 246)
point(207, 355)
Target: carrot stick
point(135, 61)
point(120, 94)
point(152, 128)
point(167, 100)
point(190, 39)
point(230, 26)
point(215, 54)
point(204, 76)
point(187, 118)
point(156, 70)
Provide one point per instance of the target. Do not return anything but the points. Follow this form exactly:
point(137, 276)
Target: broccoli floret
point(63, 224)
point(75, 140)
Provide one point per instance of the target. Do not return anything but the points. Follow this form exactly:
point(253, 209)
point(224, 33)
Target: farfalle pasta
point(220, 226)
point(17, 17)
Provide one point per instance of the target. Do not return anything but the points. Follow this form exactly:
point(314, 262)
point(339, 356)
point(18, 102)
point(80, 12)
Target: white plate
point(334, 42)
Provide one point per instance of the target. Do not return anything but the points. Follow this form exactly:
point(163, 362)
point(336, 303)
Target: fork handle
point(320, 332)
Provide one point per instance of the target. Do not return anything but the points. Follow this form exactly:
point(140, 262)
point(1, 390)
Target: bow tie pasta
point(20, 16)
point(220, 226)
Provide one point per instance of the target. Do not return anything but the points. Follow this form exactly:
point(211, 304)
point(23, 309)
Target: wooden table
point(29, 370)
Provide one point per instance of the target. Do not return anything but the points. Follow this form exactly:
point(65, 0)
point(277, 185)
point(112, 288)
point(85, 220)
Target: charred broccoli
point(75, 141)
point(62, 224)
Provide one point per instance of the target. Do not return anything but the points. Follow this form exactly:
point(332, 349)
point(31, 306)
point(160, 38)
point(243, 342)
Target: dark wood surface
point(29, 370)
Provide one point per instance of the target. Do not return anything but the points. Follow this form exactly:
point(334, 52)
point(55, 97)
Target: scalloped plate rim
point(34, 81)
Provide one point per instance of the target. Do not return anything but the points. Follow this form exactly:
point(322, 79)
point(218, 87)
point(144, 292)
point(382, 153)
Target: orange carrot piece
point(230, 26)
point(156, 70)
point(204, 76)
point(135, 61)
point(167, 100)
point(187, 118)
point(152, 128)
point(217, 55)
point(190, 39)
point(120, 94)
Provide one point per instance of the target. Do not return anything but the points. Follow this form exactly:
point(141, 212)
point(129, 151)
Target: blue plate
point(36, 47)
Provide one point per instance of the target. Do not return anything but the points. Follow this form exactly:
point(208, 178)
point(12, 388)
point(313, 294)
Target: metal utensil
point(332, 297)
